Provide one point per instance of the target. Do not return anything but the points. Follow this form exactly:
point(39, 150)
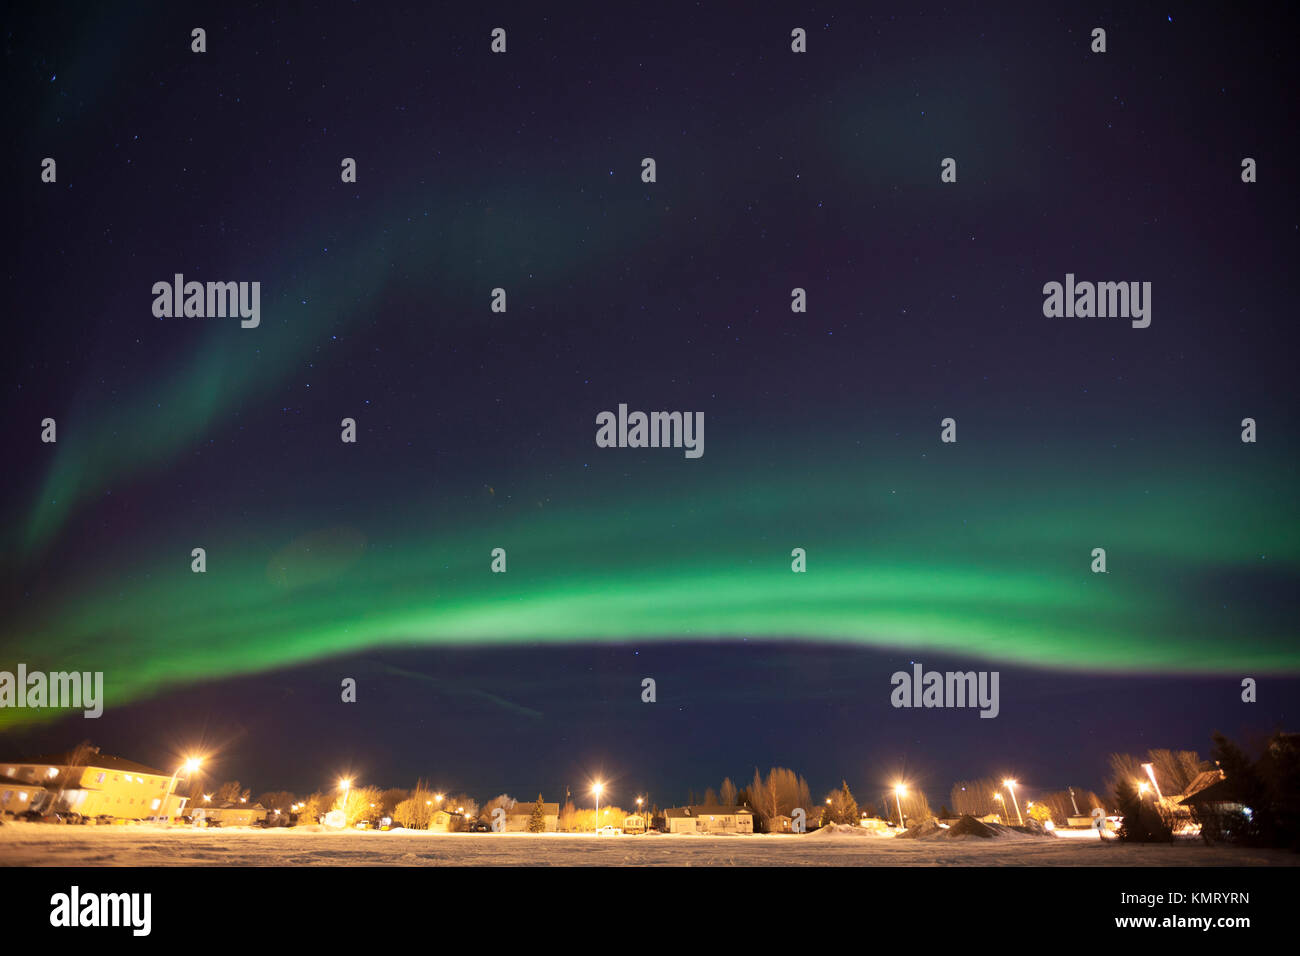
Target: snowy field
point(35, 844)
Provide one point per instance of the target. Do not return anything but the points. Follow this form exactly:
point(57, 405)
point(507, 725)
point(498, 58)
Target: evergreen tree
point(537, 819)
point(1142, 824)
point(848, 806)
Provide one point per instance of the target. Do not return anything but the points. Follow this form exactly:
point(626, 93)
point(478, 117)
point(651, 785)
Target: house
point(1220, 796)
point(634, 823)
point(17, 796)
point(228, 814)
point(94, 784)
point(709, 820)
point(447, 821)
point(521, 814)
point(1202, 781)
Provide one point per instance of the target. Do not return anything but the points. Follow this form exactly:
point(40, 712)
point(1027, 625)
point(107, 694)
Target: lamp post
point(596, 789)
point(899, 790)
point(1151, 772)
point(1002, 805)
point(1011, 788)
point(189, 766)
point(345, 784)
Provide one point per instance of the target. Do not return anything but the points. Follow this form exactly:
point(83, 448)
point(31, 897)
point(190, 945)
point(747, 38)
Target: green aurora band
point(898, 560)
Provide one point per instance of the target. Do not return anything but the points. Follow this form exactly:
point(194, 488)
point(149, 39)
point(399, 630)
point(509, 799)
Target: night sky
point(476, 429)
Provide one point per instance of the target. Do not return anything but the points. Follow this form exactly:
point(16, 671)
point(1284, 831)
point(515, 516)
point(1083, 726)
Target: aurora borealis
point(1010, 582)
point(476, 429)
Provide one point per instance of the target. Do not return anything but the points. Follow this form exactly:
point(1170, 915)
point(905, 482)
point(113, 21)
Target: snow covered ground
point(36, 844)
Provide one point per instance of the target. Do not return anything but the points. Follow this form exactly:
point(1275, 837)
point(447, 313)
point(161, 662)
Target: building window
point(99, 777)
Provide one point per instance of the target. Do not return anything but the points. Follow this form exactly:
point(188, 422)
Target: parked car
point(479, 827)
point(36, 816)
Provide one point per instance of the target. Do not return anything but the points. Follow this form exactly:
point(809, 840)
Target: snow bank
point(847, 830)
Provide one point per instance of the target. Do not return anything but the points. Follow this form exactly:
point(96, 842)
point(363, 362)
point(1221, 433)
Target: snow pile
point(928, 830)
point(968, 828)
point(848, 830)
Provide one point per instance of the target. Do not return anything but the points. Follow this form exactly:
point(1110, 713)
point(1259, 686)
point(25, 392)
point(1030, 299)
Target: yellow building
point(101, 785)
point(17, 795)
point(709, 820)
point(446, 821)
point(227, 814)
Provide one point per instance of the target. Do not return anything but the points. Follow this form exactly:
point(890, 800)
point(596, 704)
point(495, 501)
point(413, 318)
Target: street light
point(1011, 787)
point(1151, 772)
point(596, 789)
point(189, 766)
point(899, 790)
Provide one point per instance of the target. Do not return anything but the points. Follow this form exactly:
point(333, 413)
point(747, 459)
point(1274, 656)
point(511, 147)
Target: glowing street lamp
point(1151, 772)
point(1011, 788)
point(596, 789)
point(188, 767)
point(899, 790)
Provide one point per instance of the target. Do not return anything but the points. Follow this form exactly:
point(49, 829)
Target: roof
point(679, 812)
point(92, 759)
point(1221, 791)
point(1200, 782)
